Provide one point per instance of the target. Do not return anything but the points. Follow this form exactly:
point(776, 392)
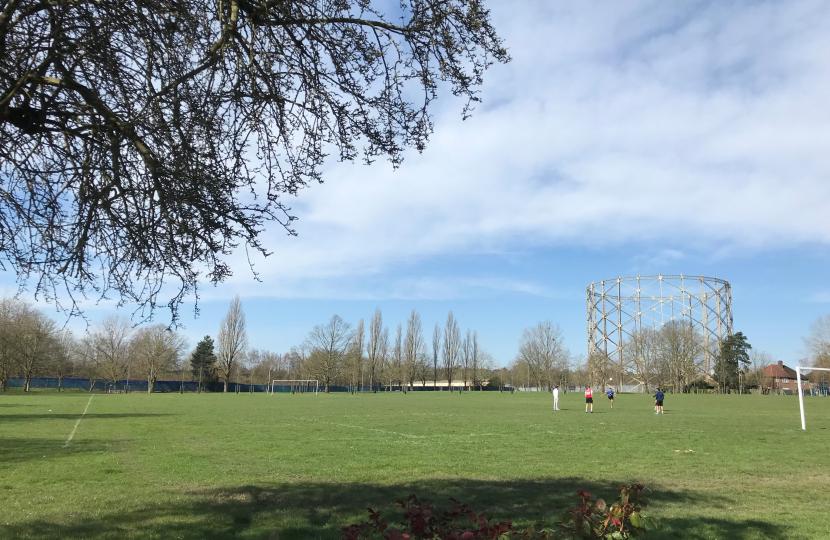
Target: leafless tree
point(436, 350)
point(396, 367)
point(110, 348)
point(376, 347)
point(252, 362)
point(62, 363)
point(423, 364)
point(520, 372)
point(598, 369)
point(412, 347)
point(86, 360)
point(328, 345)
point(581, 371)
point(355, 357)
point(156, 350)
point(35, 343)
point(231, 341)
point(476, 361)
point(143, 142)
point(272, 365)
point(452, 342)
point(818, 342)
point(385, 373)
point(10, 312)
point(754, 374)
point(541, 348)
point(681, 353)
point(642, 352)
point(486, 366)
point(295, 360)
point(465, 353)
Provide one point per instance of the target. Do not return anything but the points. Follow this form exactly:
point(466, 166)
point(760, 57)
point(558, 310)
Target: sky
point(624, 138)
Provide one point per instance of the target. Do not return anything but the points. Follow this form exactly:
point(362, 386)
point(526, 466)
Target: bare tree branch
point(142, 143)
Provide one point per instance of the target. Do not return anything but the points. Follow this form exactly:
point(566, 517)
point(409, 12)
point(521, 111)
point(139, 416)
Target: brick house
point(780, 377)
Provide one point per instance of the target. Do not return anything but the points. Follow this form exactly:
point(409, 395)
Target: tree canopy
point(143, 141)
point(733, 355)
point(203, 362)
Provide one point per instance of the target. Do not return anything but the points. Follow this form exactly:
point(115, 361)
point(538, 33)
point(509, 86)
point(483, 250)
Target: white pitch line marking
point(78, 422)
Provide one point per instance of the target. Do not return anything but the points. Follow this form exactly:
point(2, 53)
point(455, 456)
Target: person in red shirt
point(589, 399)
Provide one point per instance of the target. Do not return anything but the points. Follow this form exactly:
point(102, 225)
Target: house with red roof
point(781, 377)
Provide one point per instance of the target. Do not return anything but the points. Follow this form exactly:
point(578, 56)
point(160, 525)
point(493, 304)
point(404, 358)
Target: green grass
point(300, 467)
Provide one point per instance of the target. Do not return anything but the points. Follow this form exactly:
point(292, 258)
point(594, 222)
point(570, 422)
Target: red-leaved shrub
point(594, 519)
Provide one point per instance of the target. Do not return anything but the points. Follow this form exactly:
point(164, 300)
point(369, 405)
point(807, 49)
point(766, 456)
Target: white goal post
point(801, 392)
point(297, 381)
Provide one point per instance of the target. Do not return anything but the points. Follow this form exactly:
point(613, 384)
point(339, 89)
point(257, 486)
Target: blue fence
point(133, 385)
point(336, 388)
point(101, 385)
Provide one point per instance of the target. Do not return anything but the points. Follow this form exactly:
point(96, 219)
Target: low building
point(442, 383)
point(781, 377)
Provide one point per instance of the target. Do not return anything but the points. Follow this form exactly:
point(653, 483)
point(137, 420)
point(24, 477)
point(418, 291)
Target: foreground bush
point(593, 519)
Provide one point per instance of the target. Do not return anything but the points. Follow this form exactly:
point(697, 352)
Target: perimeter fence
point(101, 385)
point(132, 385)
point(619, 389)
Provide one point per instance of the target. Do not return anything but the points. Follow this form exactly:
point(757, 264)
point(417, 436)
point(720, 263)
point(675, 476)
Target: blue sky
point(625, 138)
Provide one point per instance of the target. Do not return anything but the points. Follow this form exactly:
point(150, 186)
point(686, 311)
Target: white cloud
point(706, 123)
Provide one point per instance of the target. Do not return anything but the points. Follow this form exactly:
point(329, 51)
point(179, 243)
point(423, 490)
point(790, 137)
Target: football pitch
point(254, 466)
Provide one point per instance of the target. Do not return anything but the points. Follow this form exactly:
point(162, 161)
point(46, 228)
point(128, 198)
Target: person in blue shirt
point(610, 394)
point(658, 402)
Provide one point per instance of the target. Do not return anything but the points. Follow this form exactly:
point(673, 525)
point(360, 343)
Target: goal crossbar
point(315, 381)
point(801, 392)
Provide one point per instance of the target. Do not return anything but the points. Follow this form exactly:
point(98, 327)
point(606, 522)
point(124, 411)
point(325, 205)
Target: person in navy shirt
point(610, 394)
point(658, 402)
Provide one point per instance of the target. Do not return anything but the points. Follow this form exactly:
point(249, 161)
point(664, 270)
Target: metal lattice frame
point(619, 308)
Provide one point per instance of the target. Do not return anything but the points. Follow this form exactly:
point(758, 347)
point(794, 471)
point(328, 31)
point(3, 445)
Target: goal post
point(801, 391)
point(297, 382)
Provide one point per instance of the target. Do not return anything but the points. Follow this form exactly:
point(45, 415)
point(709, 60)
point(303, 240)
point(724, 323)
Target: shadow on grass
point(319, 510)
point(717, 529)
point(14, 450)
point(74, 416)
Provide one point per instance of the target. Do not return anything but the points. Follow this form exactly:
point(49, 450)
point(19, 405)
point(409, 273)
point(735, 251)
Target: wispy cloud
point(822, 297)
point(701, 122)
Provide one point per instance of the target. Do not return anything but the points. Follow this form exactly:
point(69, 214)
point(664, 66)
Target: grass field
point(299, 467)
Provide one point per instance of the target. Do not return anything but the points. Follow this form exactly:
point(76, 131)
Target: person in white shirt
point(555, 398)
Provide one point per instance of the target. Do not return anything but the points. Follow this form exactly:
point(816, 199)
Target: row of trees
point(336, 353)
point(32, 345)
point(673, 355)
point(29, 341)
point(678, 355)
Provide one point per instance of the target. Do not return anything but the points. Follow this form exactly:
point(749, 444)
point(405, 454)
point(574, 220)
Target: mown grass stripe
point(72, 434)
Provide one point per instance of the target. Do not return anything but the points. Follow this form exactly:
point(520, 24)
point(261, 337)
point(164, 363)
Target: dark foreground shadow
point(20, 450)
point(318, 510)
